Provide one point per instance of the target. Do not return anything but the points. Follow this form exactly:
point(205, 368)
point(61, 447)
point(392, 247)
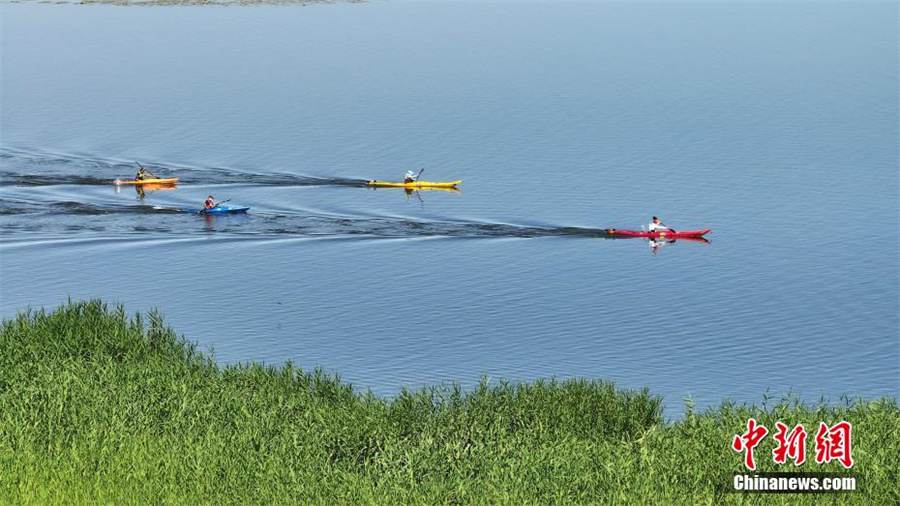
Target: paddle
point(217, 204)
point(145, 170)
point(668, 228)
point(409, 180)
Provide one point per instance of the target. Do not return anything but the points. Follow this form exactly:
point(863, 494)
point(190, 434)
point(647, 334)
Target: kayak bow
point(414, 184)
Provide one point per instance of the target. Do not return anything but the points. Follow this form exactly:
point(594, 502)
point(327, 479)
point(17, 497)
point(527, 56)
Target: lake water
point(774, 125)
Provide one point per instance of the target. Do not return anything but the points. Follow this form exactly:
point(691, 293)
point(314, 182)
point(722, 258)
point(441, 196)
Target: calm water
point(774, 125)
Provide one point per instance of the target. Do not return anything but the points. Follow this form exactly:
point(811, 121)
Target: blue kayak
point(224, 210)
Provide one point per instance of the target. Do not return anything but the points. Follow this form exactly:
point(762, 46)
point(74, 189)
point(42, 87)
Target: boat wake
point(68, 216)
point(37, 198)
point(22, 168)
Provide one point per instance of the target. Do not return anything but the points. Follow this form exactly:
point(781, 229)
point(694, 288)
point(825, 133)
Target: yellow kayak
point(152, 187)
point(415, 184)
point(169, 180)
point(451, 189)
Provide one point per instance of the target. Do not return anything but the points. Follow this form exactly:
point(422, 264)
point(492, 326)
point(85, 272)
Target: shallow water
point(773, 125)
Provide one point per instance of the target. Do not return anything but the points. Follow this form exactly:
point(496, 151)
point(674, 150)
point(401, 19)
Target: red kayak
point(662, 234)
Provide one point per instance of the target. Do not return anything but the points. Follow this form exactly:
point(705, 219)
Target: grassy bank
point(100, 407)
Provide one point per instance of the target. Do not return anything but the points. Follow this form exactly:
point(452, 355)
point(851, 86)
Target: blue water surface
point(775, 125)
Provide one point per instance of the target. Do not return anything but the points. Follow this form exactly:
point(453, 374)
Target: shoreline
point(177, 3)
point(100, 406)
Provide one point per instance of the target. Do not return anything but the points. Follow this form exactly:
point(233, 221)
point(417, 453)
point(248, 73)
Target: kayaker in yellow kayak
point(411, 177)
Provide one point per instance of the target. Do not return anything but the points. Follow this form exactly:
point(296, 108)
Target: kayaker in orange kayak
point(210, 203)
point(657, 226)
point(142, 173)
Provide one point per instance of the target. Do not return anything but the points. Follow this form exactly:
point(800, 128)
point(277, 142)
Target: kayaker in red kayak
point(654, 245)
point(210, 203)
point(657, 226)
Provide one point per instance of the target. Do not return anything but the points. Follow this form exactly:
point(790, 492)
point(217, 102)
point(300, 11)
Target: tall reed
point(97, 406)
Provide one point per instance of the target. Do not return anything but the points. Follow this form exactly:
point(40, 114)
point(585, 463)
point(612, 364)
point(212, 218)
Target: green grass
point(97, 406)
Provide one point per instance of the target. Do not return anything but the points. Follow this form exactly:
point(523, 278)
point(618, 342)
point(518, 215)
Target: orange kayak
point(168, 180)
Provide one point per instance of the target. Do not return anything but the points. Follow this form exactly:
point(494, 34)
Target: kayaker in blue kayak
point(211, 207)
point(658, 226)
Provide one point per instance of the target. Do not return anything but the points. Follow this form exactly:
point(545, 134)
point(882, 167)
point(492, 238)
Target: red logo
point(793, 446)
point(833, 443)
point(749, 441)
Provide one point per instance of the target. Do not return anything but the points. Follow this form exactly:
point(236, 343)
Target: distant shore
point(97, 406)
point(180, 2)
